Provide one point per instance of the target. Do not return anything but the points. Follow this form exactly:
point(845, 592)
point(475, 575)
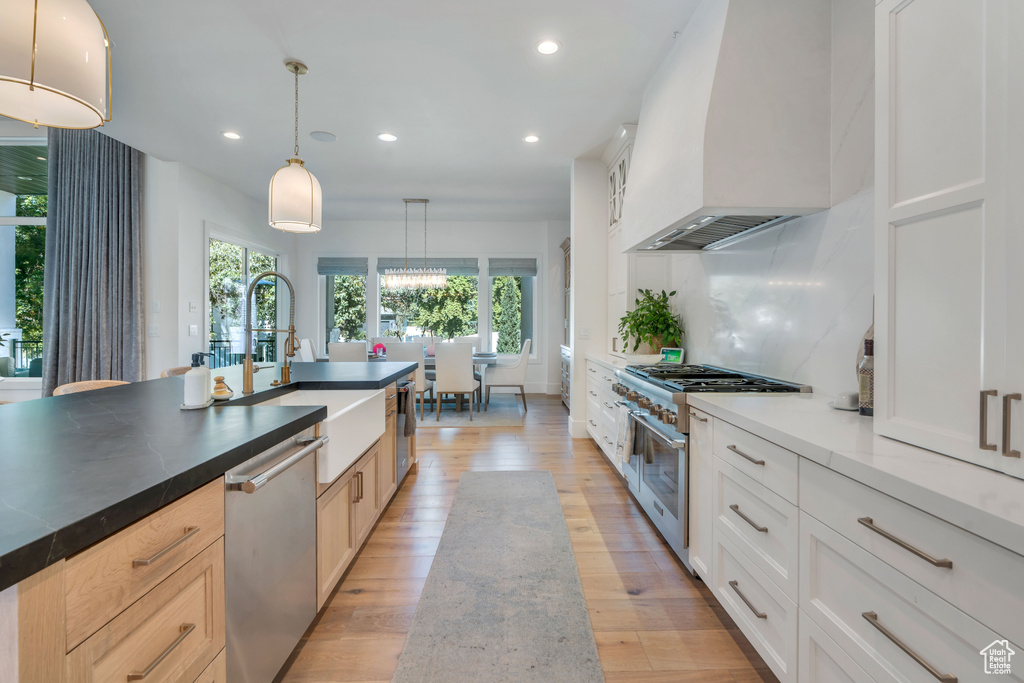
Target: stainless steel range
point(656, 399)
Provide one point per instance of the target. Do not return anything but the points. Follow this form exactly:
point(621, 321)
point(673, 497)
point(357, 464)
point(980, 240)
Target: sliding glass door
point(232, 269)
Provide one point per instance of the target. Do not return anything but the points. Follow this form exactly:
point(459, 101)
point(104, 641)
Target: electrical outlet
point(584, 333)
point(154, 330)
point(193, 330)
point(193, 306)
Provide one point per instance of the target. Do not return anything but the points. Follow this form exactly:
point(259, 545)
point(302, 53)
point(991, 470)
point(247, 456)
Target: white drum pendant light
point(54, 63)
point(295, 200)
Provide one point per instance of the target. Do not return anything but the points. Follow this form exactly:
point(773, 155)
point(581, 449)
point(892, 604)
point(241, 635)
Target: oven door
point(663, 480)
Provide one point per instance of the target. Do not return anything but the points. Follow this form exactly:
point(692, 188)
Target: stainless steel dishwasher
point(270, 557)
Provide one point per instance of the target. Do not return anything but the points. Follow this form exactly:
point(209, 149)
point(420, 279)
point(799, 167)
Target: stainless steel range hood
point(734, 131)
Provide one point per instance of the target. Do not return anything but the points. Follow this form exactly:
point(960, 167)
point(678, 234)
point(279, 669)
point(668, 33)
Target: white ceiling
point(458, 81)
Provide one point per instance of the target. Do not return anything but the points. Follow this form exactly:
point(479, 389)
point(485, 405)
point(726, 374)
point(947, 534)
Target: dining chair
point(412, 352)
point(509, 375)
point(174, 372)
point(305, 351)
point(454, 368)
point(87, 385)
point(347, 352)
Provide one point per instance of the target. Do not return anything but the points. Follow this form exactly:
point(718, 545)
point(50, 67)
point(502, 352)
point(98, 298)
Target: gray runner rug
point(503, 600)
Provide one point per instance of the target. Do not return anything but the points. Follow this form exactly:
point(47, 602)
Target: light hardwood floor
point(652, 620)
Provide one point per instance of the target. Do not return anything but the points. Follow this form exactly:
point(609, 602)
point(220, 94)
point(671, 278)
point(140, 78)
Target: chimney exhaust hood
point(734, 132)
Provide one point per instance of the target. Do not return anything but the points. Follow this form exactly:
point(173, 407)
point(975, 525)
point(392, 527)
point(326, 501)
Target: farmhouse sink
point(355, 420)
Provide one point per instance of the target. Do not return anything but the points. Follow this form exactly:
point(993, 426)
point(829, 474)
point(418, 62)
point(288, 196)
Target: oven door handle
point(656, 433)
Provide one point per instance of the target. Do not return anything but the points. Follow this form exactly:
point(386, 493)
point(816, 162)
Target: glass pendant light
point(295, 200)
point(54, 64)
point(415, 278)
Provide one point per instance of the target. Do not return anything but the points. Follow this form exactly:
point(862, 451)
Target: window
point(23, 194)
point(345, 296)
point(512, 302)
point(449, 312)
point(232, 268)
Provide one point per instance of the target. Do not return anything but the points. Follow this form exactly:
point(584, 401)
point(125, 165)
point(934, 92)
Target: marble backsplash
point(792, 302)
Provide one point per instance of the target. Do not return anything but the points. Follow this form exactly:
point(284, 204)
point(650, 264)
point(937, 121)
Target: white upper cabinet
point(946, 355)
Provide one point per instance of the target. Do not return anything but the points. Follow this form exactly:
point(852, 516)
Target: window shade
point(519, 267)
point(454, 266)
point(342, 266)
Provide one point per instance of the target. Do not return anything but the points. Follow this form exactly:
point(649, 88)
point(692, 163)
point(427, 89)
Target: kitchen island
point(78, 468)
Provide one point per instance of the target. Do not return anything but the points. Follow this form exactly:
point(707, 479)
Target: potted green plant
point(651, 325)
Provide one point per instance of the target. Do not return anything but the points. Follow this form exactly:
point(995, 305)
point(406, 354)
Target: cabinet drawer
point(985, 580)
point(763, 612)
point(852, 596)
point(217, 672)
point(594, 419)
point(821, 660)
point(771, 465)
point(102, 580)
point(761, 523)
point(173, 632)
point(609, 436)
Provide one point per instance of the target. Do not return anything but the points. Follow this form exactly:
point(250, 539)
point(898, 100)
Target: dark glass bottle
point(866, 376)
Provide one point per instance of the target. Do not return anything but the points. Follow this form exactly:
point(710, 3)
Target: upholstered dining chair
point(174, 372)
point(347, 352)
point(412, 352)
point(305, 351)
point(509, 375)
point(454, 367)
point(87, 385)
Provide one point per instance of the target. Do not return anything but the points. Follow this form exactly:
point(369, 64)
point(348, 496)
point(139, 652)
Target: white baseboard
point(578, 428)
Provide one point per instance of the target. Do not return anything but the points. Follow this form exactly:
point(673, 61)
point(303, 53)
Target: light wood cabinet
point(701, 512)
point(170, 634)
point(366, 505)
point(386, 482)
point(217, 672)
point(335, 535)
point(105, 578)
point(948, 245)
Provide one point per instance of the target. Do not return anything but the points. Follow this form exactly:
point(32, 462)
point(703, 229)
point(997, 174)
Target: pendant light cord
point(296, 70)
point(424, 236)
point(406, 236)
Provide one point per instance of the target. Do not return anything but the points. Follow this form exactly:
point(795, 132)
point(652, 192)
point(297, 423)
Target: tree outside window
point(449, 312)
point(347, 313)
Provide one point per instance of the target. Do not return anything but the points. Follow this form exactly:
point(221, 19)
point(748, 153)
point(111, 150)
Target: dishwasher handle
point(258, 481)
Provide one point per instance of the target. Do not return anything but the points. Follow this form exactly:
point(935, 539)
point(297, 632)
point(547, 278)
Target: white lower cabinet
point(601, 410)
point(699, 505)
point(821, 660)
point(896, 629)
point(762, 611)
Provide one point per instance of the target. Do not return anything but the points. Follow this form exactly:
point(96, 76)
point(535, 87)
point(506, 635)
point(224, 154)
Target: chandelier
point(415, 278)
point(295, 199)
point(54, 64)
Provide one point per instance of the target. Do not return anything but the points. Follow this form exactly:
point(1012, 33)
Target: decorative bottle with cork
point(866, 377)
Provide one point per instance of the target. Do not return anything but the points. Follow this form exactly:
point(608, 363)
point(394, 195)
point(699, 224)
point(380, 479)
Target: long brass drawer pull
point(736, 587)
point(1007, 422)
point(698, 418)
point(736, 508)
point(744, 455)
point(189, 533)
point(391, 413)
point(872, 619)
point(983, 443)
point(184, 630)
point(870, 523)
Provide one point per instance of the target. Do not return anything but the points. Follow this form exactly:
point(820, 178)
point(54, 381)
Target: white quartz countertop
point(985, 502)
point(607, 359)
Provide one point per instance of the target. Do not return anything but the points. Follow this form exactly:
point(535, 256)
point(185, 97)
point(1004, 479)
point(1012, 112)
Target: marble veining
point(792, 302)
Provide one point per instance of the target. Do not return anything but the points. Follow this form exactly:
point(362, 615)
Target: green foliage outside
point(29, 251)
point(506, 306)
point(350, 306)
point(228, 287)
point(449, 312)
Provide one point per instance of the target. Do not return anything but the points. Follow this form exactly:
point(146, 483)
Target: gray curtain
point(92, 283)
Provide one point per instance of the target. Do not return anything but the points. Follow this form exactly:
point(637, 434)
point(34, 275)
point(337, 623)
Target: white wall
point(589, 253)
point(182, 208)
point(794, 302)
point(374, 239)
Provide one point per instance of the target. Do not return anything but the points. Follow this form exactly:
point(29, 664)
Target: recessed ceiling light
point(531, 138)
point(323, 136)
point(24, 177)
point(548, 47)
point(231, 135)
point(387, 137)
point(41, 158)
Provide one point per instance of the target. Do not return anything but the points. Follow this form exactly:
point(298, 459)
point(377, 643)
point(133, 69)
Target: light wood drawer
point(761, 523)
point(104, 579)
point(821, 660)
point(746, 593)
point(217, 672)
point(174, 631)
point(985, 580)
point(852, 595)
point(771, 465)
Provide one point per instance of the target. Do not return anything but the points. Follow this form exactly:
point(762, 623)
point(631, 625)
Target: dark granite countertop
point(77, 468)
